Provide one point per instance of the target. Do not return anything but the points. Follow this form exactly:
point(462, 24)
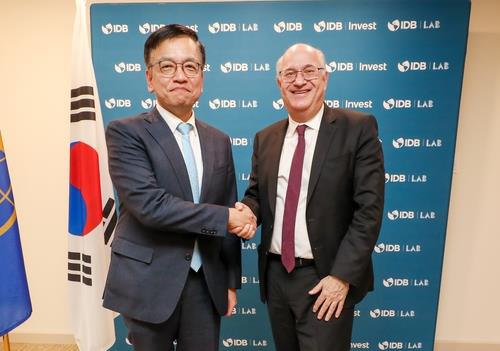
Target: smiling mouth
point(180, 89)
point(300, 92)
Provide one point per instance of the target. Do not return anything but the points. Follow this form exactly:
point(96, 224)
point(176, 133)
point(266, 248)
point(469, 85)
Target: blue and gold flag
point(15, 303)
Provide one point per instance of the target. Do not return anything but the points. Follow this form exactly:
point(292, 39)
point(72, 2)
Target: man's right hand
point(242, 222)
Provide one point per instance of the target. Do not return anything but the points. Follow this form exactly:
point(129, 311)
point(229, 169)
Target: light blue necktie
point(189, 160)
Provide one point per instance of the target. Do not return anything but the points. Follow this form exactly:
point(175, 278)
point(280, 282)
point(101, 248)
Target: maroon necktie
point(291, 202)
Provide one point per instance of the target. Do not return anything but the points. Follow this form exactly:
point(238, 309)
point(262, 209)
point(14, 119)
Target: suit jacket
point(159, 222)
point(344, 198)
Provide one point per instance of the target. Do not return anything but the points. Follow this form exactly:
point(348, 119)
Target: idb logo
point(148, 103)
point(114, 28)
point(406, 66)
point(396, 103)
point(376, 313)
point(217, 27)
point(339, 66)
point(239, 141)
point(390, 282)
point(395, 178)
point(283, 26)
point(408, 142)
point(278, 104)
point(216, 104)
point(230, 342)
point(324, 25)
point(127, 67)
point(379, 248)
point(146, 28)
point(234, 66)
point(390, 345)
point(112, 103)
point(396, 24)
point(395, 214)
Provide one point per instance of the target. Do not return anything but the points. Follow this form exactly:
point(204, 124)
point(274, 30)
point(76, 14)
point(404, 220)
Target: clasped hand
point(242, 222)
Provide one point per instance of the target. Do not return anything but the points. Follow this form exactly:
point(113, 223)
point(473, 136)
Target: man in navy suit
point(317, 187)
point(174, 266)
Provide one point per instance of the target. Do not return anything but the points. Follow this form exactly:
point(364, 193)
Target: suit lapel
point(159, 130)
point(273, 160)
point(325, 136)
point(208, 157)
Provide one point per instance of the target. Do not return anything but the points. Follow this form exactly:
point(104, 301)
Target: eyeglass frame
point(176, 65)
point(296, 71)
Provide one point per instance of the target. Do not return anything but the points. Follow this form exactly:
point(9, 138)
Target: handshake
point(242, 222)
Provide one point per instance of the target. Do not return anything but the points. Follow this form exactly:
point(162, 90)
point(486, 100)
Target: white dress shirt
point(302, 244)
point(172, 122)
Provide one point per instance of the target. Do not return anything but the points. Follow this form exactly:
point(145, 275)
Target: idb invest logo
point(283, 26)
point(127, 67)
point(112, 103)
point(114, 28)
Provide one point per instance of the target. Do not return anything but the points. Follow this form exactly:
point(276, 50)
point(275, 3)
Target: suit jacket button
point(213, 232)
point(204, 231)
point(188, 257)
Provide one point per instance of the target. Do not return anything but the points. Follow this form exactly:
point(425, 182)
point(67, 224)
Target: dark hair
point(171, 31)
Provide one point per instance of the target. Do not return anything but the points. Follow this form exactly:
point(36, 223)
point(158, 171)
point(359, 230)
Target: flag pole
point(6, 344)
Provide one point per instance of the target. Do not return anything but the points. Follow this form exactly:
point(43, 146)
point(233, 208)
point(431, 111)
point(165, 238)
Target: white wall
point(35, 49)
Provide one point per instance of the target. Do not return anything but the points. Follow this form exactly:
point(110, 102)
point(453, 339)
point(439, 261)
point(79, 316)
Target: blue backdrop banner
point(400, 60)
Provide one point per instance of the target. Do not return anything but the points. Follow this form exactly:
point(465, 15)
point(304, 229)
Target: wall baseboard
point(460, 346)
point(42, 338)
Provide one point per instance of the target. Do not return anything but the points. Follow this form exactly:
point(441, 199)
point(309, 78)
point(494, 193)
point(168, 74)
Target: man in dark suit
point(317, 188)
point(174, 267)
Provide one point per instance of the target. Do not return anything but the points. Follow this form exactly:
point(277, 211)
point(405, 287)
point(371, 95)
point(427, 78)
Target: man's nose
point(179, 74)
point(299, 80)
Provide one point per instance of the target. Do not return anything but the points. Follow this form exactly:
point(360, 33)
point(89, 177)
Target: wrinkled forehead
point(301, 56)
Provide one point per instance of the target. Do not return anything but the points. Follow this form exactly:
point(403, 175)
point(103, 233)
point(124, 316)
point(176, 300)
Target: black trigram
point(79, 269)
point(82, 104)
point(109, 219)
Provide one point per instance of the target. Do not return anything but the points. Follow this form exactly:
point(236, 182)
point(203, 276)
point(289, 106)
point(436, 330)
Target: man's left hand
point(332, 297)
point(231, 301)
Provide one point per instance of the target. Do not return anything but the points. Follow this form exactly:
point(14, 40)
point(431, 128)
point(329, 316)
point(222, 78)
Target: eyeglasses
point(168, 68)
point(308, 73)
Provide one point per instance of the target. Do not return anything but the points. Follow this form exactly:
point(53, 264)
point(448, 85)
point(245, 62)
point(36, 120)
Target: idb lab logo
point(123, 67)
point(112, 103)
point(278, 104)
point(283, 26)
point(412, 66)
point(417, 143)
point(395, 215)
point(322, 26)
point(148, 103)
point(398, 24)
point(229, 67)
point(404, 282)
point(114, 28)
point(221, 27)
point(216, 104)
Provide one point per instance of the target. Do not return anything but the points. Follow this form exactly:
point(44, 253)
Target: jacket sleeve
point(135, 181)
point(354, 254)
